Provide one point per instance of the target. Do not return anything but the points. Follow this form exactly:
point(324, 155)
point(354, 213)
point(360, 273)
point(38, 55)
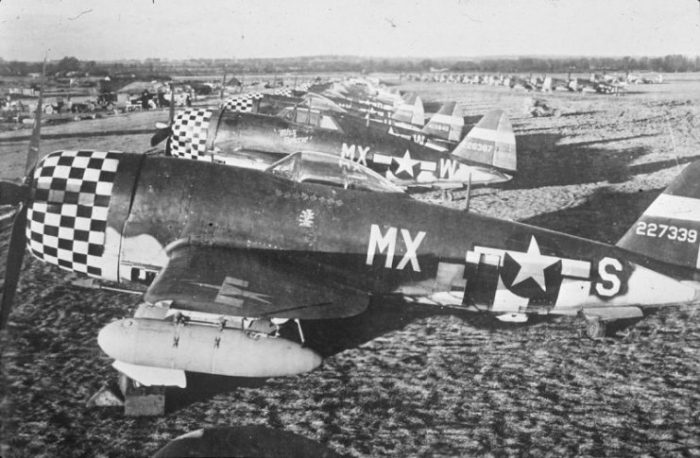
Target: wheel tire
point(596, 329)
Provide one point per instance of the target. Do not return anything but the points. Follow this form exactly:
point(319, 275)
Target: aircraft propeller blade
point(171, 113)
point(161, 134)
point(18, 195)
point(163, 131)
point(12, 193)
point(13, 267)
point(33, 154)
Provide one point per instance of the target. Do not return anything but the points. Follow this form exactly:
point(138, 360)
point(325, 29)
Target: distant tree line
point(668, 64)
point(69, 66)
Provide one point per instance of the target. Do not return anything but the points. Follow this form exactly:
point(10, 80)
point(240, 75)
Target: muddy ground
point(427, 384)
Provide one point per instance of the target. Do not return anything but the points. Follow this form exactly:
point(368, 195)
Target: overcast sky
point(175, 29)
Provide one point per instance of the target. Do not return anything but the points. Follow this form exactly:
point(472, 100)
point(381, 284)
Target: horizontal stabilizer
point(491, 142)
point(669, 230)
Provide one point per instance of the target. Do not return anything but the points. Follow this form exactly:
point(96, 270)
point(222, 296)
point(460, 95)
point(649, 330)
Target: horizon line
point(355, 56)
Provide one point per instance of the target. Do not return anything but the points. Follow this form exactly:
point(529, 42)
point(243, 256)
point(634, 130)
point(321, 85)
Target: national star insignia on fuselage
point(532, 264)
point(405, 163)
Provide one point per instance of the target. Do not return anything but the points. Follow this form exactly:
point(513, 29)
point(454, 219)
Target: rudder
point(446, 124)
point(491, 142)
point(669, 229)
point(410, 111)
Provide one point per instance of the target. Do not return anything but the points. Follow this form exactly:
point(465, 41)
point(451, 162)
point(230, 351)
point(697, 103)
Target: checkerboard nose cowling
point(67, 219)
point(189, 134)
point(243, 104)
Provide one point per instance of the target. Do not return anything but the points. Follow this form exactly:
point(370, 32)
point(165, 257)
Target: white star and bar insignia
point(406, 164)
point(532, 265)
point(528, 273)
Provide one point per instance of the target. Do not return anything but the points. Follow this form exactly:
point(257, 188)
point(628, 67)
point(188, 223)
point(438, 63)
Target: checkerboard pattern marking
point(189, 137)
point(283, 91)
point(67, 219)
point(239, 104)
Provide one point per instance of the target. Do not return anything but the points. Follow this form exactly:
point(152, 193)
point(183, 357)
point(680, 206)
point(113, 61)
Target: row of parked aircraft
point(290, 223)
point(388, 135)
point(600, 83)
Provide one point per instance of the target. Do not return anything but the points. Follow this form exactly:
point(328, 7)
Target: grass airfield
point(432, 384)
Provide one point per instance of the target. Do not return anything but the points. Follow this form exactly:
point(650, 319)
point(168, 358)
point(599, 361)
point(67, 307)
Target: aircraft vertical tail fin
point(446, 123)
point(411, 111)
point(547, 84)
point(669, 230)
point(491, 142)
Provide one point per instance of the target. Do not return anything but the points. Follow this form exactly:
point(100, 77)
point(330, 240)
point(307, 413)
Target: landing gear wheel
point(596, 329)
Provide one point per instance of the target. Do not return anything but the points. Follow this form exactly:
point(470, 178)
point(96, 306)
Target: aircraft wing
point(252, 283)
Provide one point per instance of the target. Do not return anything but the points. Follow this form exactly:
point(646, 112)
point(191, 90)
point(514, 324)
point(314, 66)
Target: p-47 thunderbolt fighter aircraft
point(486, 156)
point(239, 254)
point(442, 132)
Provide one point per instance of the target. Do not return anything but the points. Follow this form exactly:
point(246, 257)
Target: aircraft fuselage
point(377, 243)
point(403, 161)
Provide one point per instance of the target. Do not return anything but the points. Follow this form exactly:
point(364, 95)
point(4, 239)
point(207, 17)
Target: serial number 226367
point(680, 234)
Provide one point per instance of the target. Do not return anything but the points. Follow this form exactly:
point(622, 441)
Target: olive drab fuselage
point(378, 243)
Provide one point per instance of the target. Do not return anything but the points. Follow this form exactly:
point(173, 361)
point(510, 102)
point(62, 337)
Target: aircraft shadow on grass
point(329, 337)
point(249, 440)
point(579, 113)
point(605, 216)
point(543, 162)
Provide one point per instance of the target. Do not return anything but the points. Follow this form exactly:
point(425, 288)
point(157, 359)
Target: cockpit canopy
point(330, 170)
point(310, 117)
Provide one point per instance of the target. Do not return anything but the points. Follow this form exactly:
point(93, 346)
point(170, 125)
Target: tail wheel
point(596, 328)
